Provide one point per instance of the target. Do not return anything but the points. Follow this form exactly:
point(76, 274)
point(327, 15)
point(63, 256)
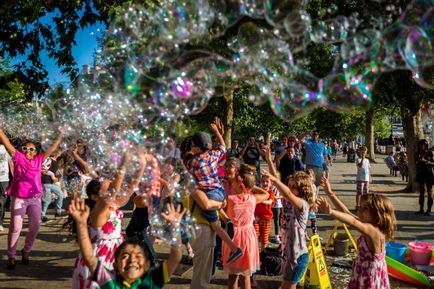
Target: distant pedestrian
point(363, 175)
point(424, 175)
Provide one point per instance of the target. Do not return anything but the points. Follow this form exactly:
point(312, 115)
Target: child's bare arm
point(218, 130)
point(261, 195)
point(80, 213)
point(53, 147)
point(174, 217)
point(339, 205)
point(271, 167)
point(285, 191)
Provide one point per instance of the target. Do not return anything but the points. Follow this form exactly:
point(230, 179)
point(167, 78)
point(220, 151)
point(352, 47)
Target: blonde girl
point(376, 222)
point(298, 201)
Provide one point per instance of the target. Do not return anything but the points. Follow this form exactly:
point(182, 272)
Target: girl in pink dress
point(376, 221)
point(241, 204)
point(105, 221)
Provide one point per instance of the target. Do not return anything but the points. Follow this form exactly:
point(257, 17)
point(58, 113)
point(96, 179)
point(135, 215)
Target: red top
point(264, 211)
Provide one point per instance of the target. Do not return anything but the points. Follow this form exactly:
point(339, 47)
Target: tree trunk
point(228, 118)
point(411, 124)
point(369, 134)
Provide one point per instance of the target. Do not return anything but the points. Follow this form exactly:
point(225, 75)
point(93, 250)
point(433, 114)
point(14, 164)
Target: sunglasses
point(30, 149)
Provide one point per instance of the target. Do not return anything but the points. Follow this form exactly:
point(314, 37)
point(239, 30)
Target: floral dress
point(105, 241)
point(293, 232)
point(370, 269)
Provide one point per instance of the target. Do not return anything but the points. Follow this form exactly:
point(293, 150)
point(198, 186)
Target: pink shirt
point(26, 182)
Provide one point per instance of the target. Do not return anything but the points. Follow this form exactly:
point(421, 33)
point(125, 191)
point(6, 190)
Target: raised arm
point(364, 228)
point(285, 191)
point(5, 141)
point(80, 213)
point(271, 167)
point(339, 205)
point(218, 130)
point(174, 216)
point(85, 165)
point(53, 147)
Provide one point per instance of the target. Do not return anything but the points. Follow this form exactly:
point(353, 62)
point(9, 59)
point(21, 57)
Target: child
point(312, 213)
point(264, 214)
point(132, 261)
point(105, 221)
point(241, 205)
point(363, 175)
point(26, 193)
point(376, 222)
point(298, 201)
point(203, 165)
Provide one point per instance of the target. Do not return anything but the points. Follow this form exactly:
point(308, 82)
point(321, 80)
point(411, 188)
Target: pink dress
point(370, 269)
point(104, 240)
point(241, 209)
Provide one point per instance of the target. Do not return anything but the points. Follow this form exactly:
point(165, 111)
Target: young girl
point(132, 260)
point(105, 221)
point(298, 201)
point(26, 192)
point(363, 175)
point(376, 221)
point(264, 214)
point(241, 205)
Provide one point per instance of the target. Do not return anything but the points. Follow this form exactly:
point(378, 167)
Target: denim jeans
point(46, 199)
point(3, 198)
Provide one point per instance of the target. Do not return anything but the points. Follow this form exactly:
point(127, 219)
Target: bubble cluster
point(161, 63)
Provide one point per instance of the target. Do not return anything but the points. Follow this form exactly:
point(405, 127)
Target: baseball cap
point(202, 140)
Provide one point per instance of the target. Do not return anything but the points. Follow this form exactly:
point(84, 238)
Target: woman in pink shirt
point(26, 193)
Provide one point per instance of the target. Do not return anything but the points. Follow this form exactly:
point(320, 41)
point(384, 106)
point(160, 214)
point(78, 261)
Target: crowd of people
point(234, 204)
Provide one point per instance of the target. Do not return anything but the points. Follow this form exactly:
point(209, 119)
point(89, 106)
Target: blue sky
point(83, 53)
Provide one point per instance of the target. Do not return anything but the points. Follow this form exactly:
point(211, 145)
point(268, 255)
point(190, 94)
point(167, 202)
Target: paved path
point(53, 254)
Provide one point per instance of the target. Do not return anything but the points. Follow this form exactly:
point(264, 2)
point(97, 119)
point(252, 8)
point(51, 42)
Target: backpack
point(271, 261)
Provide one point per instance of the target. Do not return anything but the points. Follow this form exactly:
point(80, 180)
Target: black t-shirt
point(251, 156)
point(54, 167)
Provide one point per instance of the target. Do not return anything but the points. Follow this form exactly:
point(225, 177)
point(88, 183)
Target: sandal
point(25, 257)
point(10, 265)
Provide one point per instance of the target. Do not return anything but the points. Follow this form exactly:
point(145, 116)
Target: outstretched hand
point(326, 185)
point(173, 216)
point(217, 126)
point(79, 211)
point(267, 152)
point(323, 205)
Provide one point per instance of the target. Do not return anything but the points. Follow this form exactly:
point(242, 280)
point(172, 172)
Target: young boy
point(202, 163)
point(132, 265)
point(363, 175)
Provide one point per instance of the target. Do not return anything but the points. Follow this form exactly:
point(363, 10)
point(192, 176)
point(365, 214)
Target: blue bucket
point(396, 251)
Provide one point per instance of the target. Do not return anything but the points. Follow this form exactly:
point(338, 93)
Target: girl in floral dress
point(241, 204)
point(105, 221)
point(298, 201)
point(376, 221)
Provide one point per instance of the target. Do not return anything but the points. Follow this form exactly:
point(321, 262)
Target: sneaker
point(1, 228)
point(235, 255)
point(44, 219)
point(420, 212)
point(11, 263)
point(427, 214)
